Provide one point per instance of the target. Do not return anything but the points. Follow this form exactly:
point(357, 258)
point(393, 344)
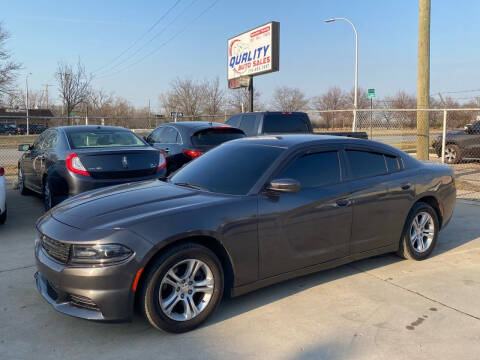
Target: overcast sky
point(313, 55)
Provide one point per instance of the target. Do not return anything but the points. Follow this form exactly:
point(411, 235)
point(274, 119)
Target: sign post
point(370, 95)
point(252, 53)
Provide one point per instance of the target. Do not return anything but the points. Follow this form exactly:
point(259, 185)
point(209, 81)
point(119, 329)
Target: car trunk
point(119, 163)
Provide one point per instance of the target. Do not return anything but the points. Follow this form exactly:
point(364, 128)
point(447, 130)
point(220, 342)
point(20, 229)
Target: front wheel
point(47, 195)
point(182, 288)
point(420, 233)
point(21, 183)
point(453, 154)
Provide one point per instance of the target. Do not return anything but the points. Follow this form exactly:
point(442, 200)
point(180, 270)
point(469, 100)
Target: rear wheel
point(452, 154)
point(182, 288)
point(420, 233)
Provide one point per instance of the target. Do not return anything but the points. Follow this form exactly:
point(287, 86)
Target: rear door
point(32, 163)
point(375, 212)
point(311, 226)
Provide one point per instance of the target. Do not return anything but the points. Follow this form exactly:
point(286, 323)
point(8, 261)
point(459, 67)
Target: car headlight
point(99, 254)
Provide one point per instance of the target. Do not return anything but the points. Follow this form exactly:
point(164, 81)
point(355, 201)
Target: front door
point(311, 226)
point(32, 164)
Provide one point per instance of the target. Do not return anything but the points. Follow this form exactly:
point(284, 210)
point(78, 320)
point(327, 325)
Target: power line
point(164, 43)
point(151, 39)
point(140, 37)
point(456, 92)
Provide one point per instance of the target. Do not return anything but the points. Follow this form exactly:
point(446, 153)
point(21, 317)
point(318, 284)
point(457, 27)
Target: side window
point(234, 121)
point(51, 140)
point(314, 169)
point(365, 163)
point(38, 144)
point(392, 163)
point(249, 125)
point(169, 135)
point(155, 135)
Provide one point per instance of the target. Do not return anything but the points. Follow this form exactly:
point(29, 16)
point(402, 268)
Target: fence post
point(444, 134)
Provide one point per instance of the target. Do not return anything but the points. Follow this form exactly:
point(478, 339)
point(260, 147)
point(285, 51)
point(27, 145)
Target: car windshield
point(237, 167)
point(103, 138)
point(215, 136)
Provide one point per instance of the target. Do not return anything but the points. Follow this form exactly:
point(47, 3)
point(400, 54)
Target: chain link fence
point(454, 134)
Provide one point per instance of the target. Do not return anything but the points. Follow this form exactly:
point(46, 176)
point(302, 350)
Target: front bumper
point(94, 293)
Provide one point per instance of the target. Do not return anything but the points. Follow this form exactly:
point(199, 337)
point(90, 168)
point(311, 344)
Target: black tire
point(48, 201)
point(406, 249)
point(150, 290)
point(3, 217)
point(21, 183)
point(456, 154)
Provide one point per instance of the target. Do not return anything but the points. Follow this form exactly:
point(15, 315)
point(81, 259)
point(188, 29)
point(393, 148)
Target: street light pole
point(356, 69)
point(26, 102)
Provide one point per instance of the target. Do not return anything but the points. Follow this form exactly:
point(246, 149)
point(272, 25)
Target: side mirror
point(284, 185)
point(24, 147)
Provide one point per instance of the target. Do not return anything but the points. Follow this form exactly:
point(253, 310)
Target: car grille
point(56, 249)
point(83, 302)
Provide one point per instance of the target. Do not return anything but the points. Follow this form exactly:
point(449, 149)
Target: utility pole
point(46, 92)
point(26, 103)
point(423, 79)
point(250, 93)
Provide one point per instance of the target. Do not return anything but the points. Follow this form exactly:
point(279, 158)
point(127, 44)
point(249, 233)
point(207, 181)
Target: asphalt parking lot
point(380, 308)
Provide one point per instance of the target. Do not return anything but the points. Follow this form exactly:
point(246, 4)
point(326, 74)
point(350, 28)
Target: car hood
point(121, 206)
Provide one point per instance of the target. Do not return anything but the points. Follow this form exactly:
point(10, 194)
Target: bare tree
point(238, 100)
point(8, 67)
point(401, 100)
point(333, 99)
point(362, 101)
point(101, 102)
point(289, 99)
point(187, 96)
point(73, 84)
point(213, 97)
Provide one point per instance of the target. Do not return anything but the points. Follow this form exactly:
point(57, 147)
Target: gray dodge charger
point(247, 214)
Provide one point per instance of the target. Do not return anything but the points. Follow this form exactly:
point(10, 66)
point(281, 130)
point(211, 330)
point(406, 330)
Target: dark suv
point(184, 141)
point(460, 145)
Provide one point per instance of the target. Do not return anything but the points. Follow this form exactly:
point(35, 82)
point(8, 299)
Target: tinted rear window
point(103, 138)
point(237, 167)
point(214, 137)
point(285, 123)
point(314, 169)
point(364, 163)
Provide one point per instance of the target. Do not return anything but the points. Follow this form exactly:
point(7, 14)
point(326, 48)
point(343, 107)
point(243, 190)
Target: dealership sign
point(254, 52)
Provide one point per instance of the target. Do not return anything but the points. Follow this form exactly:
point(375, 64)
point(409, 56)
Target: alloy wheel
point(422, 232)
point(450, 155)
point(186, 289)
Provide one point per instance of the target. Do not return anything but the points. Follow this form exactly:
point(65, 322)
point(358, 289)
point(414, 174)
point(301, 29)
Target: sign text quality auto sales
point(253, 52)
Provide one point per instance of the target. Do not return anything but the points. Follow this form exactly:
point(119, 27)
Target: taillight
point(74, 164)
point(192, 153)
point(162, 161)
point(2, 171)
point(222, 127)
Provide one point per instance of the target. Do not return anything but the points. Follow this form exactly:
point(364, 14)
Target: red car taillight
point(2, 171)
point(74, 164)
point(192, 153)
point(162, 161)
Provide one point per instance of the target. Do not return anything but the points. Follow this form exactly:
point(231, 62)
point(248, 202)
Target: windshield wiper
point(191, 186)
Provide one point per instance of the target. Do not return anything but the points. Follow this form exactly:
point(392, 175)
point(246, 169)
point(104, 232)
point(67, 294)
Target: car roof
point(293, 140)
point(194, 124)
point(76, 128)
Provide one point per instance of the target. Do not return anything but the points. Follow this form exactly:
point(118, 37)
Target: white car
point(3, 196)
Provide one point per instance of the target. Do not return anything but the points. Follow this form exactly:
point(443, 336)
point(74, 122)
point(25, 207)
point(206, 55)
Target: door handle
point(405, 186)
point(167, 150)
point(343, 202)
